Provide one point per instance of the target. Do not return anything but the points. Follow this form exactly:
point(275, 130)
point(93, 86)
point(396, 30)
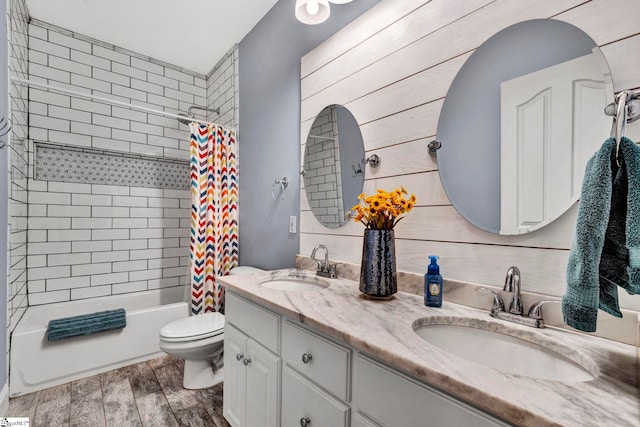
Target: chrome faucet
point(324, 268)
point(512, 284)
point(535, 311)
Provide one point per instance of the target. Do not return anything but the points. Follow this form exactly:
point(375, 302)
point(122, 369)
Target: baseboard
point(4, 400)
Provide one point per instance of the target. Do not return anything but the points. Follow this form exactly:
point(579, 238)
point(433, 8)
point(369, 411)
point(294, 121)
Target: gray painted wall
point(4, 196)
point(269, 127)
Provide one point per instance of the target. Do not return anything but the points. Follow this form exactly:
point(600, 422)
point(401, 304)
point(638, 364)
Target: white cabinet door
point(251, 382)
point(263, 383)
point(235, 374)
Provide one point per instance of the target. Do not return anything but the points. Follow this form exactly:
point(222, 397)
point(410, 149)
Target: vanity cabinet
point(321, 382)
point(251, 367)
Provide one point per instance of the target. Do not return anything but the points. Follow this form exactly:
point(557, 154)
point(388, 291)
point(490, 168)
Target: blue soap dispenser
point(433, 284)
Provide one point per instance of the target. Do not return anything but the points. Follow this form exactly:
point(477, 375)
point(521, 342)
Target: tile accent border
point(90, 166)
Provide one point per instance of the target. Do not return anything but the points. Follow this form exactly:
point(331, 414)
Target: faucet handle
point(498, 303)
point(535, 311)
point(332, 270)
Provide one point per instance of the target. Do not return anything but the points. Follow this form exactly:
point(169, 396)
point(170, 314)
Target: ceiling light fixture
point(312, 12)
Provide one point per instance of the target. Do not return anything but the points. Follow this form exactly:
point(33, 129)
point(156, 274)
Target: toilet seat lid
point(194, 327)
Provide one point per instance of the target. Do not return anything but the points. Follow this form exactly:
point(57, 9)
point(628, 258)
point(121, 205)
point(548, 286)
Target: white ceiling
point(193, 34)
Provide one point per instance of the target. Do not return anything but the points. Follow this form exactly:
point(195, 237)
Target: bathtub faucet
point(324, 268)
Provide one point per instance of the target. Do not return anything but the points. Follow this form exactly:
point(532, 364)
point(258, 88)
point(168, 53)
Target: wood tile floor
point(143, 395)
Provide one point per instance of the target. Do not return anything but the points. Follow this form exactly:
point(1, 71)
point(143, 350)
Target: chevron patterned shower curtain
point(214, 214)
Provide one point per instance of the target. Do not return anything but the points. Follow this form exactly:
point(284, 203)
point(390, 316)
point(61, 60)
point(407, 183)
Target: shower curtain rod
point(26, 82)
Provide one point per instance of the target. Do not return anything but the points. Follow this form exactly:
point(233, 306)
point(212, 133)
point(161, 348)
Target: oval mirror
point(520, 120)
point(333, 169)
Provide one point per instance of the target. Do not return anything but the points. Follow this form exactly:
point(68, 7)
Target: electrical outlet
point(292, 224)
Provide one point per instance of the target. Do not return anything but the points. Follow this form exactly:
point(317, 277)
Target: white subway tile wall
point(222, 89)
point(66, 58)
point(105, 241)
point(108, 230)
point(18, 167)
point(17, 20)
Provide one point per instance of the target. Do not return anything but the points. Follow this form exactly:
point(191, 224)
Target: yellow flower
point(383, 209)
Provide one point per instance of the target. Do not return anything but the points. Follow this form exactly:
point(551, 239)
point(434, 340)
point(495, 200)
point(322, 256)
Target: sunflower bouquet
point(382, 210)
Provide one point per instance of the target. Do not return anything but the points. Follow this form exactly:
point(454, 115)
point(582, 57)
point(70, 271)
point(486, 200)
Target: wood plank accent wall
point(392, 68)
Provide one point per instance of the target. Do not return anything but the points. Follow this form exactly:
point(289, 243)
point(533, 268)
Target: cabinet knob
point(239, 356)
point(306, 358)
point(304, 422)
point(246, 361)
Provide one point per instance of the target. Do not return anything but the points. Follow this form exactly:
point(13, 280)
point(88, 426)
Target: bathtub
point(36, 363)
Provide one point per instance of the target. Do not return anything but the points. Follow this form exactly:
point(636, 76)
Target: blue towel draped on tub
point(606, 250)
point(86, 324)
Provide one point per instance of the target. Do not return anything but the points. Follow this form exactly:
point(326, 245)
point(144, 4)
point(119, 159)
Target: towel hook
point(283, 183)
point(633, 106)
point(621, 121)
point(373, 160)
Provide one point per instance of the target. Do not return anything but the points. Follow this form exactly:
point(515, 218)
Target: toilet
point(199, 341)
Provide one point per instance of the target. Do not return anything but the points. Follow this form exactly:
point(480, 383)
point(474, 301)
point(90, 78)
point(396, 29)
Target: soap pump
point(433, 284)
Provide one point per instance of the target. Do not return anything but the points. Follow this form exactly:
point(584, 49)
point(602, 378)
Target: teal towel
point(606, 250)
point(86, 324)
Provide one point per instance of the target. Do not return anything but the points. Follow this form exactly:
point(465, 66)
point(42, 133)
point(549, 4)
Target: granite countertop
point(384, 329)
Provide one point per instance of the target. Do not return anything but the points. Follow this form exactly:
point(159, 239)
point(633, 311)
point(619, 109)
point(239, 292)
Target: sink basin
point(507, 353)
point(293, 280)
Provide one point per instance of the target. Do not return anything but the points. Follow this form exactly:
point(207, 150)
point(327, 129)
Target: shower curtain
point(214, 214)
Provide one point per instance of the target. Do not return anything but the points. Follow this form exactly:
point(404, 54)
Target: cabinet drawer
point(255, 321)
point(322, 361)
point(392, 399)
point(301, 399)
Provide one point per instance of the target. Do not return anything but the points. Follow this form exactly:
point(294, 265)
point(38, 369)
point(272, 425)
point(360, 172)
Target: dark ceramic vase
point(378, 278)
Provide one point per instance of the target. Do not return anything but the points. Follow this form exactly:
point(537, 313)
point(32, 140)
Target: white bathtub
point(36, 363)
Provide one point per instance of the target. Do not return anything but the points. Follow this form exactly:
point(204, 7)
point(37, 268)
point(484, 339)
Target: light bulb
point(312, 7)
